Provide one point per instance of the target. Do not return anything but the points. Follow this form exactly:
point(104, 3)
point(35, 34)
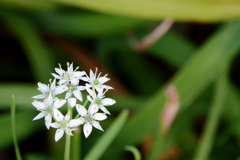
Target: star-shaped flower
point(96, 81)
point(75, 89)
point(66, 76)
point(98, 100)
point(63, 124)
point(52, 89)
point(89, 118)
point(47, 108)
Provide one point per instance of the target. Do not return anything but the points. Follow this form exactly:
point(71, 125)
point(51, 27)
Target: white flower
point(90, 118)
point(74, 89)
point(66, 76)
point(97, 82)
point(63, 124)
point(47, 108)
point(52, 89)
point(98, 101)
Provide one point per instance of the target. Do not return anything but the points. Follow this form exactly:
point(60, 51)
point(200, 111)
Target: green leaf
point(187, 10)
point(38, 54)
point(203, 68)
point(103, 143)
point(207, 139)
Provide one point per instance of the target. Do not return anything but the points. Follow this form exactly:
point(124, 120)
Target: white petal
point(43, 87)
point(40, 115)
point(78, 95)
point(67, 117)
point(75, 122)
point(107, 87)
point(74, 81)
point(62, 81)
point(56, 76)
point(87, 129)
point(86, 79)
point(68, 131)
point(39, 105)
point(96, 125)
point(59, 71)
point(90, 91)
point(68, 94)
point(58, 115)
point(93, 108)
point(48, 120)
point(99, 116)
point(79, 74)
point(60, 89)
point(104, 110)
point(99, 88)
point(49, 100)
point(70, 68)
point(72, 102)
point(81, 110)
point(53, 85)
point(89, 98)
point(103, 79)
point(80, 88)
point(54, 125)
point(59, 103)
point(92, 75)
point(40, 96)
point(59, 134)
point(108, 101)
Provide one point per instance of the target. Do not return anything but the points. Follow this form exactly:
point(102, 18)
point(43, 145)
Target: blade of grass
point(13, 108)
point(177, 10)
point(207, 139)
point(103, 143)
point(203, 68)
point(135, 152)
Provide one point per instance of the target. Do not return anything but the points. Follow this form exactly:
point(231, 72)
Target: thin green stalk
point(76, 145)
point(207, 139)
point(68, 140)
point(135, 151)
point(13, 108)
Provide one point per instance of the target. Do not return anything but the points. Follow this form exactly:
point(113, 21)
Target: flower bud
point(72, 102)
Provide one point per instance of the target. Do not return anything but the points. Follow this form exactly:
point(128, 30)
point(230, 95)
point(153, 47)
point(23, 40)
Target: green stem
point(13, 107)
point(76, 145)
point(68, 140)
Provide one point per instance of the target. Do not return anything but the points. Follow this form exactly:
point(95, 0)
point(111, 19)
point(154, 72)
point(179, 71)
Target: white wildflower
point(96, 81)
point(98, 100)
point(52, 89)
point(89, 118)
point(47, 108)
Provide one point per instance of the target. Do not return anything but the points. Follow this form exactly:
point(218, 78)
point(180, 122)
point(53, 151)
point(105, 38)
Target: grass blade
point(13, 108)
point(135, 151)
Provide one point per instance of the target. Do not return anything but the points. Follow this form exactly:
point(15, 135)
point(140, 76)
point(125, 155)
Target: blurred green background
point(198, 54)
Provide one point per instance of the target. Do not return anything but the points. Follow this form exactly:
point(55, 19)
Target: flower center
point(63, 124)
point(48, 110)
point(88, 117)
point(71, 88)
point(96, 82)
point(98, 101)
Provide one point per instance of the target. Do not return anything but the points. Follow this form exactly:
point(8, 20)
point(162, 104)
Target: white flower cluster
point(68, 82)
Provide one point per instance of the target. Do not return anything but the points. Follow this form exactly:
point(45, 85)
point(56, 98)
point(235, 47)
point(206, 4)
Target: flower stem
point(76, 145)
point(67, 147)
point(68, 141)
